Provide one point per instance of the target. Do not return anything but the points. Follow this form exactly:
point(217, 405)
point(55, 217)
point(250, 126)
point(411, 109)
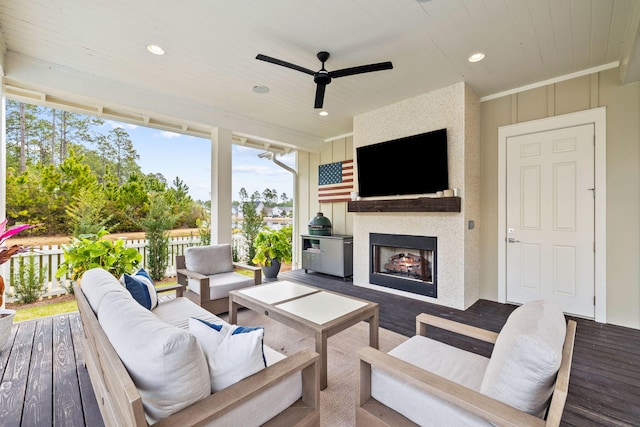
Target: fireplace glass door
point(404, 262)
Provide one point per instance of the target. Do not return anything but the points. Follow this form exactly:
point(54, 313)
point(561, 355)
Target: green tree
point(156, 225)
point(252, 221)
point(270, 197)
point(25, 134)
point(87, 212)
point(117, 149)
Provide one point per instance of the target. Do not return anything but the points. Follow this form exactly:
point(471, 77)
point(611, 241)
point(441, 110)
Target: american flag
point(335, 182)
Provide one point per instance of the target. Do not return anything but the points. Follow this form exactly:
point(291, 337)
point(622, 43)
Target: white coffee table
point(307, 309)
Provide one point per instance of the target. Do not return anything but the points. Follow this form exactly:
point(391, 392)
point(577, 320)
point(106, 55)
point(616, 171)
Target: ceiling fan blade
point(319, 96)
point(284, 64)
point(361, 69)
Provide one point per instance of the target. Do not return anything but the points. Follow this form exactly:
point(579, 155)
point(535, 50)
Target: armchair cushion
point(209, 260)
point(221, 284)
point(232, 352)
point(526, 357)
point(457, 365)
point(141, 288)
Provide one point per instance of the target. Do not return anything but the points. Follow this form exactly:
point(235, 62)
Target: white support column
point(4, 269)
point(221, 186)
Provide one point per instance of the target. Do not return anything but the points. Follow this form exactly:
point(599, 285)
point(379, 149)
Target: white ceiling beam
point(109, 98)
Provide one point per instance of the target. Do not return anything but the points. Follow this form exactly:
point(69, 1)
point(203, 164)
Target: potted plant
point(272, 248)
point(6, 252)
point(92, 250)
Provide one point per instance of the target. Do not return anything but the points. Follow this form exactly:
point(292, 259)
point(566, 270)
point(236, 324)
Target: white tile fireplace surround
point(451, 257)
point(457, 109)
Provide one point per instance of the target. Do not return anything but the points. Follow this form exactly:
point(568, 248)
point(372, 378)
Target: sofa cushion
point(232, 352)
point(267, 403)
point(98, 282)
point(208, 260)
point(526, 357)
point(221, 284)
point(457, 365)
point(166, 363)
point(177, 311)
point(141, 288)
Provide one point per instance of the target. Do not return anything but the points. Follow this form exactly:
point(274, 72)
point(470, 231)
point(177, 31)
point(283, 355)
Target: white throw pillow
point(232, 352)
point(526, 357)
point(208, 260)
point(141, 288)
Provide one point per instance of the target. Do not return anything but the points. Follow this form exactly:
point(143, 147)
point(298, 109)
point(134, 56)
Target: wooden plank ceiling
point(207, 74)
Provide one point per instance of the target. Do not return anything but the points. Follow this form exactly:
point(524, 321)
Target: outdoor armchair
point(208, 274)
point(427, 382)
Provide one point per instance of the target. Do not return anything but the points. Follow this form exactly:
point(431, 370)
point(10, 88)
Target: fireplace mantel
point(422, 204)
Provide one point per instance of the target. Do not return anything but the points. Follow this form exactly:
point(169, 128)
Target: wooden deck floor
point(43, 380)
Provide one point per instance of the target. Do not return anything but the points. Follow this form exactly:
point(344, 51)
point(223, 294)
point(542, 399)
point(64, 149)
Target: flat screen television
point(412, 165)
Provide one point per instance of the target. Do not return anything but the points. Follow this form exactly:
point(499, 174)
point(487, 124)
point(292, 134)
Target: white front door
point(550, 218)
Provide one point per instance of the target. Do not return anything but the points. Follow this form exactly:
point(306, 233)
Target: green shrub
point(91, 251)
point(156, 225)
point(205, 233)
point(28, 280)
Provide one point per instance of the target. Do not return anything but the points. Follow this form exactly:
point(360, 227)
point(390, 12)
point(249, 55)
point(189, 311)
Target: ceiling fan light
point(476, 57)
point(155, 49)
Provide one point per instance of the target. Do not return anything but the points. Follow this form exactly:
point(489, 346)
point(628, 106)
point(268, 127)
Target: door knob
point(512, 240)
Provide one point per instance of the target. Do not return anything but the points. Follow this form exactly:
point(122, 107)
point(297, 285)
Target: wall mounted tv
point(412, 165)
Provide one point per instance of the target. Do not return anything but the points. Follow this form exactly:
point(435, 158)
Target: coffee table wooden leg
point(373, 329)
point(321, 349)
point(233, 312)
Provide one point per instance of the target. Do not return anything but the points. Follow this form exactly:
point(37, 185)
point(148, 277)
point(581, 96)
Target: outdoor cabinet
point(328, 254)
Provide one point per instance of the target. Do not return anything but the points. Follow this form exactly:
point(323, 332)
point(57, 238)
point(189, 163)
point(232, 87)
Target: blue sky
point(188, 157)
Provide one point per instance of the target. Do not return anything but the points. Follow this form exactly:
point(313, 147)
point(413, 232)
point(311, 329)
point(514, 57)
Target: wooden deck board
point(603, 391)
point(67, 405)
point(38, 407)
point(14, 381)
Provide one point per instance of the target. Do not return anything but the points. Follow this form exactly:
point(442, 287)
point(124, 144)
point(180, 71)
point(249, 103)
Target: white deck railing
point(50, 257)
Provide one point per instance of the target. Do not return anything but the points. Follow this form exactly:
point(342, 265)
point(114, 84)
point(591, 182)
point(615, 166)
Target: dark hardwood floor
point(604, 388)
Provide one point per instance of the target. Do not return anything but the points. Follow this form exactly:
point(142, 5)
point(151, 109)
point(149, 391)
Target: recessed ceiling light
point(479, 56)
point(323, 113)
point(155, 49)
point(260, 89)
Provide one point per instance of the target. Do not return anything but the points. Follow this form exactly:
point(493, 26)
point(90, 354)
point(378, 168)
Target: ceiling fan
point(323, 77)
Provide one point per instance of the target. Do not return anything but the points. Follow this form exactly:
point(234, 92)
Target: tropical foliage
point(93, 250)
point(6, 252)
point(273, 244)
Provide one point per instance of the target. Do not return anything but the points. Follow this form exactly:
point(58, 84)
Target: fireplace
point(404, 262)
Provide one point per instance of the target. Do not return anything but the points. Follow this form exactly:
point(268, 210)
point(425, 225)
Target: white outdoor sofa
point(146, 368)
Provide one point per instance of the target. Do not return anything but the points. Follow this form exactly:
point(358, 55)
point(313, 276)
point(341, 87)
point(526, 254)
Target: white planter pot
point(6, 323)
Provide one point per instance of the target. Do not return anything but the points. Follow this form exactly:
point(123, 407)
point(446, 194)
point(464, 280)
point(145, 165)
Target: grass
point(45, 310)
